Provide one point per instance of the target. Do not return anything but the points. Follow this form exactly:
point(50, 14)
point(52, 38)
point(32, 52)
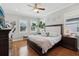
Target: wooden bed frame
point(39, 49)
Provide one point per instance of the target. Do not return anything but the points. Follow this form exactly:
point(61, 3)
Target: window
point(72, 27)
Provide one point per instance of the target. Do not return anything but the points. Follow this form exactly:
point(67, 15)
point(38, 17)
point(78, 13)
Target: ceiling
point(23, 9)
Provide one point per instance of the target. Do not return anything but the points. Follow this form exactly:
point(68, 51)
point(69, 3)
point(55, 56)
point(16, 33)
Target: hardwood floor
point(60, 51)
point(20, 48)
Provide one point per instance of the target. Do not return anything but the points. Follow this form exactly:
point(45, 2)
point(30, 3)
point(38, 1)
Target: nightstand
point(69, 42)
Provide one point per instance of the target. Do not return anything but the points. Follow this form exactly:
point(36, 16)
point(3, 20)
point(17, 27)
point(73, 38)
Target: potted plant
point(40, 25)
point(33, 26)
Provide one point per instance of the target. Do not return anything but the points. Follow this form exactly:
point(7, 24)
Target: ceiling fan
point(36, 7)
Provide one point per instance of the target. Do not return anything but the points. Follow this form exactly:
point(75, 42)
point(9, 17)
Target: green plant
point(33, 26)
point(41, 25)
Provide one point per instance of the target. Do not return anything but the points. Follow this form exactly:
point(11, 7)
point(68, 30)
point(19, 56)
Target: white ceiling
point(23, 9)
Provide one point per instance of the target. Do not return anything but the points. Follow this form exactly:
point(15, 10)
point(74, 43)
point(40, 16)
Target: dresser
point(69, 42)
point(4, 42)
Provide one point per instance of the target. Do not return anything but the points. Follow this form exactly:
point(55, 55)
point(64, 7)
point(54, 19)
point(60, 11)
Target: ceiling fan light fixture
point(36, 10)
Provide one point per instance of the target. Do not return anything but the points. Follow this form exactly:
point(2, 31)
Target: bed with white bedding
point(44, 42)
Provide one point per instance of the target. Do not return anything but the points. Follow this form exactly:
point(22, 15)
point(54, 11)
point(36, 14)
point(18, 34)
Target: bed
point(43, 44)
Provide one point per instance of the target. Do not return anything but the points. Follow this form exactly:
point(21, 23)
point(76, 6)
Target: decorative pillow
point(54, 34)
point(43, 33)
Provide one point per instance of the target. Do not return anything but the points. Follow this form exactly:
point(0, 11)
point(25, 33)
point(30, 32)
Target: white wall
point(60, 16)
point(17, 18)
point(72, 12)
point(55, 18)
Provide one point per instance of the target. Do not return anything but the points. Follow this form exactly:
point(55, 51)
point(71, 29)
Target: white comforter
point(44, 42)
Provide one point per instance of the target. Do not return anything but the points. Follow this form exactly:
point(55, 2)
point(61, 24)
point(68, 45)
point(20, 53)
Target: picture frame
point(22, 26)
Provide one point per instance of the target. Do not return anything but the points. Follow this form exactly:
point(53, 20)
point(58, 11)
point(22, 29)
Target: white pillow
point(43, 33)
point(53, 34)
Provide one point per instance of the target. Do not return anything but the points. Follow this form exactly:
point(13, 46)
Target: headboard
point(58, 27)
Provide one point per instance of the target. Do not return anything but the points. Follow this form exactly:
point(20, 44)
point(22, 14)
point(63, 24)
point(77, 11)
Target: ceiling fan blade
point(41, 8)
point(29, 5)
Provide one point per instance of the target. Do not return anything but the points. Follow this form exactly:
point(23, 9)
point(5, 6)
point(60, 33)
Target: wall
point(17, 18)
point(55, 18)
point(71, 12)
point(60, 16)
